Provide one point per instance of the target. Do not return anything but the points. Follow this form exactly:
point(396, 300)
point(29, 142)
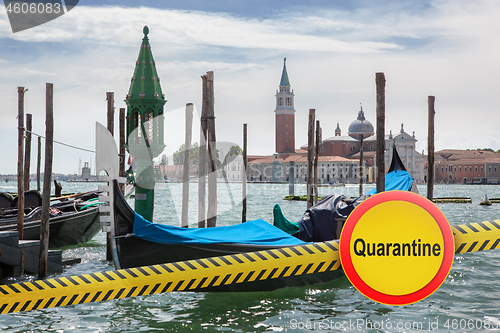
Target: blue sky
point(449, 49)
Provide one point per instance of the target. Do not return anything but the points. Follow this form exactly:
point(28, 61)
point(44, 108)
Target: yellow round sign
point(396, 247)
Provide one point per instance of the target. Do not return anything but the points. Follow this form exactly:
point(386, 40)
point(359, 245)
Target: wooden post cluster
point(185, 170)
point(380, 83)
point(430, 148)
point(44, 222)
point(244, 177)
point(310, 157)
point(20, 162)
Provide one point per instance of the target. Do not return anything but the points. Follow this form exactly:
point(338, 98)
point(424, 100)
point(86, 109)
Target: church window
point(280, 102)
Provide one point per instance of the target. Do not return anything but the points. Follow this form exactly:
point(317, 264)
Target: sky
point(447, 49)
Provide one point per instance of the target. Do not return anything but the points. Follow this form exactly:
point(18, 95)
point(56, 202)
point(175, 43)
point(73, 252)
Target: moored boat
point(137, 242)
point(72, 222)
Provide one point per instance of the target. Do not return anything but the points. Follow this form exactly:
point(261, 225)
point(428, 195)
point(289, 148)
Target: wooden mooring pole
point(244, 176)
point(430, 148)
point(122, 146)
point(20, 162)
point(27, 151)
point(212, 154)
point(380, 159)
point(44, 222)
point(291, 178)
point(316, 157)
point(110, 98)
point(38, 164)
point(186, 167)
point(310, 157)
point(361, 164)
point(202, 169)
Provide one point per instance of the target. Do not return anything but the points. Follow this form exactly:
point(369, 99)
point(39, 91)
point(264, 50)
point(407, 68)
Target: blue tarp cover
point(396, 180)
point(257, 232)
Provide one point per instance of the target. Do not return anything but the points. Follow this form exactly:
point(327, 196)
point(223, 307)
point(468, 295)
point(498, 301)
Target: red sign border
point(345, 241)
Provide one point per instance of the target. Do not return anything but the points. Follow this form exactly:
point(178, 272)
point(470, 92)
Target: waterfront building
point(338, 155)
point(467, 166)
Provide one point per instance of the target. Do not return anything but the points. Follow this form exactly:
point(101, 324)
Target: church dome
point(360, 126)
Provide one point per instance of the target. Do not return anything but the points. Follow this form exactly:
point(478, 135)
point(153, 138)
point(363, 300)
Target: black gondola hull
point(130, 251)
point(70, 228)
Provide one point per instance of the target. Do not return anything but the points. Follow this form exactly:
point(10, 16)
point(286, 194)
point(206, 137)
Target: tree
point(194, 154)
point(164, 160)
point(232, 153)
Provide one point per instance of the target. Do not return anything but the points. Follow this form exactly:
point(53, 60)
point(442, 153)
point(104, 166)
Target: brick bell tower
point(285, 115)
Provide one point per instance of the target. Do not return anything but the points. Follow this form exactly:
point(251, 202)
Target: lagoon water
point(469, 299)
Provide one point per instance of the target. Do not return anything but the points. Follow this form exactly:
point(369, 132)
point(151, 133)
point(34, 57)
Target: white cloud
point(450, 50)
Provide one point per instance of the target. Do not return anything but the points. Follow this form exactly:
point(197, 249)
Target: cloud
point(448, 49)
point(192, 29)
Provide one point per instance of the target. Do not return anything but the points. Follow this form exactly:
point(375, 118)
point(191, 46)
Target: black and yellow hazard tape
point(192, 275)
point(479, 236)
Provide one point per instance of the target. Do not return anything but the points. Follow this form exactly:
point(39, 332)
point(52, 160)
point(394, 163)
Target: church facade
point(338, 155)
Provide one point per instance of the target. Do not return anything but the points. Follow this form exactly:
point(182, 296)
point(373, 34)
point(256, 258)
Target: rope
point(64, 144)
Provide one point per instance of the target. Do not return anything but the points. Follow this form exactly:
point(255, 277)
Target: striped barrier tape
point(192, 275)
point(472, 237)
point(200, 274)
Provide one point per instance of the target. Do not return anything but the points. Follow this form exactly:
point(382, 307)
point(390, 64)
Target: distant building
point(338, 155)
point(466, 166)
point(285, 115)
point(86, 172)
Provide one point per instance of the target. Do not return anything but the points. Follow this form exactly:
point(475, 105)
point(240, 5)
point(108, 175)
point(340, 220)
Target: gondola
point(133, 245)
point(324, 221)
point(72, 222)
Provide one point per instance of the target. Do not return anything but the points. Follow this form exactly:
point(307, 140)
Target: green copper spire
point(145, 85)
point(284, 76)
point(145, 126)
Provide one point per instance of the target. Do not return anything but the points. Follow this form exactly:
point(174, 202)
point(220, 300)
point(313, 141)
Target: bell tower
point(285, 115)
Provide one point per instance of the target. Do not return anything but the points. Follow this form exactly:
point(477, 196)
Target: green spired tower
point(145, 119)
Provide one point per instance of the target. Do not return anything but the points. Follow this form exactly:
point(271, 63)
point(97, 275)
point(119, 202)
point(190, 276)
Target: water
point(468, 300)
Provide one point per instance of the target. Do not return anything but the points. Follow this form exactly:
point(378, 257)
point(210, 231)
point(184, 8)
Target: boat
point(136, 242)
point(71, 222)
point(324, 221)
point(397, 177)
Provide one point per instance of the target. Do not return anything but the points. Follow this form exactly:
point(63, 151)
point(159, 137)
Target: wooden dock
point(21, 256)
